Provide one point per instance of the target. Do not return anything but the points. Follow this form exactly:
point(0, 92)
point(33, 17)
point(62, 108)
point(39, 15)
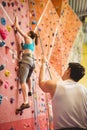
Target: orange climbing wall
point(58, 5)
point(56, 37)
point(69, 26)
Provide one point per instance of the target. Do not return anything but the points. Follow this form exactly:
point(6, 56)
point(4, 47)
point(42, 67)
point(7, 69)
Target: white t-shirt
point(70, 105)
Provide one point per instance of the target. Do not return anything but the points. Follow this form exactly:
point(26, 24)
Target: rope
point(43, 50)
point(47, 103)
point(6, 14)
point(42, 14)
point(34, 93)
point(29, 13)
point(35, 104)
point(40, 37)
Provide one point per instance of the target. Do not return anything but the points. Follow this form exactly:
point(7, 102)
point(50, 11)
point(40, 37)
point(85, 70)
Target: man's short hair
point(77, 71)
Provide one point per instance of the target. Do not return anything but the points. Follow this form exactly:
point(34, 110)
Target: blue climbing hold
point(34, 22)
point(2, 43)
point(3, 21)
point(2, 67)
point(0, 99)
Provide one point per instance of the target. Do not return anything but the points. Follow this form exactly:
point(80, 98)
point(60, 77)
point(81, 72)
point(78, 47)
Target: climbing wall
point(56, 36)
point(68, 29)
point(10, 90)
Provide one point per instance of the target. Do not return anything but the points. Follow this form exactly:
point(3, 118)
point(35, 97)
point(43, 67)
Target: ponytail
point(36, 39)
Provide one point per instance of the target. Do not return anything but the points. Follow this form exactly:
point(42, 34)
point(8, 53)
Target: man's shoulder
point(83, 88)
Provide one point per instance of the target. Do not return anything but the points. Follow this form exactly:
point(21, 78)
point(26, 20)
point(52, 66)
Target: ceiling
point(79, 7)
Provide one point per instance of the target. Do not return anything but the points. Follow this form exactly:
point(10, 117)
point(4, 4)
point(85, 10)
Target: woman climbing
point(26, 65)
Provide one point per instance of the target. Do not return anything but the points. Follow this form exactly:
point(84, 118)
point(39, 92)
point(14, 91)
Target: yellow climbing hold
point(9, 28)
point(22, 0)
point(7, 73)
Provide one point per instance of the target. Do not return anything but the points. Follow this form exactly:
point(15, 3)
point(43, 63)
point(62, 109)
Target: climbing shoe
point(24, 106)
point(29, 93)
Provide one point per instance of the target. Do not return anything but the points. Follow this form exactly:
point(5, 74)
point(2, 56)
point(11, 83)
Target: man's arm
point(47, 86)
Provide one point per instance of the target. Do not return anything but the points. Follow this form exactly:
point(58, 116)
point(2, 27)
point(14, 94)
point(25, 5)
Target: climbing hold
point(0, 96)
point(2, 43)
point(9, 28)
point(42, 99)
point(8, 4)
point(53, 34)
point(20, 90)
point(42, 5)
point(19, 9)
point(11, 128)
point(7, 73)
point(33, 14)
point(7, 49)
point(30, 28)
point(19, 22)
point(3, 33)
point(33, 3)
point(11, 100)
point(1, 82)
point(32, 111)
point(22, 0)
point(50, 46)
point(6, 84)
point(2, 67)
point(34, 22)
point(11, 87)
point(1, 99)
point(3, 3)
point(12, 4)
point(39, 29)
point(3, 21)
point(35, 123)
point(12, 43)
point(16, 3)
